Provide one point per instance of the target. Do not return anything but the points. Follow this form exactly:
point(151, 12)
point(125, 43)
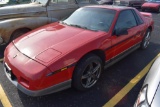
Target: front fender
point(7, 27)
point(153, 79)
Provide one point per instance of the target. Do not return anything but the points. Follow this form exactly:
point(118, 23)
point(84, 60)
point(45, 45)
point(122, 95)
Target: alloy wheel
point(147, 39)
point(91, 74)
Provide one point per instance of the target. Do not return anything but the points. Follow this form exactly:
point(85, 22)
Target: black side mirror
point(121, 31)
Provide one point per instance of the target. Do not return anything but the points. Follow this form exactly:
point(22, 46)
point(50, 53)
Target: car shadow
point(112, 81)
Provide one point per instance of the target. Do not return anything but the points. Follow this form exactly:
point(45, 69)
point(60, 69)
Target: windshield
point(97, 19)
point(13, 2)
point(157, 1)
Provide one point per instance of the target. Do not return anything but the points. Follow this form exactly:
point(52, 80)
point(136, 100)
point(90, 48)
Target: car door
point(61, 8)
point(141, 27)
point(125, 33)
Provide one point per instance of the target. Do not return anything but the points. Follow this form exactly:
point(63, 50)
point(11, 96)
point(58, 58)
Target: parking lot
point(118, 85)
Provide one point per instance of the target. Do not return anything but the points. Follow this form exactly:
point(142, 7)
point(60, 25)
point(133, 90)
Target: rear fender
point(145, 14)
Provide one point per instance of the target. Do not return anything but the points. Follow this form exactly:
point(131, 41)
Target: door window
point(126, 20)
point(138, 18)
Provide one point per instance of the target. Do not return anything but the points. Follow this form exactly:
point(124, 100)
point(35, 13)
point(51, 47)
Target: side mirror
point(121, 31)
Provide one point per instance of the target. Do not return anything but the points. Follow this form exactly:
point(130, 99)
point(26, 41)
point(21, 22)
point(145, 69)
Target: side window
point(139, 19)
point(126, 20)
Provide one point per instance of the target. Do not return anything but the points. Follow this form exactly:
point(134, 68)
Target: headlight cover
point(142, 98)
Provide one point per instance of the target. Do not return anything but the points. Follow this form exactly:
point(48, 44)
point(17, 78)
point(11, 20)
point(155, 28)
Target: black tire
point(18, 33)
point(87, 72)
point(146, 39)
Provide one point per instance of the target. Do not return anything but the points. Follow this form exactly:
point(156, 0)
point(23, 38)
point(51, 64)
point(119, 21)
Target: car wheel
point(146, 39)
point(18, 33)
point(87, 72)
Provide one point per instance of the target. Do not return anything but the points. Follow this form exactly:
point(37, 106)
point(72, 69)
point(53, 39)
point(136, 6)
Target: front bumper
point(49, 90)
point(29, 76)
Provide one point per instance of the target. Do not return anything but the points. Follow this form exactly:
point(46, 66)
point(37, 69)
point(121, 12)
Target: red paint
point(55, 46)
point(151, 6)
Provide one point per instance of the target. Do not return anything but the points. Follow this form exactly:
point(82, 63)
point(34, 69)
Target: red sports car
point(73, 52)
point(151, 5)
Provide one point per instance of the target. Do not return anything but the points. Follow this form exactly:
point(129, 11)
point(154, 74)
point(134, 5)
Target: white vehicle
point(150, 92)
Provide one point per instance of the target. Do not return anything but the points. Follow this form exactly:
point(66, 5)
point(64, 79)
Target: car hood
point(152, 80)
point(53, 40)
point(150, 4)
point(22, 10)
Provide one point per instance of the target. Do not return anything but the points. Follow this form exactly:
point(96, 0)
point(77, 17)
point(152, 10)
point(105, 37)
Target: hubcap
point(147, 39)
point(91, 74)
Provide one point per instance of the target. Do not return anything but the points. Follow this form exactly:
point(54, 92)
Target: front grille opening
point(9, 72)
point(13, 77)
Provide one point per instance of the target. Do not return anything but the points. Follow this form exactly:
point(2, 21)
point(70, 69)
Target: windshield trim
point(78, 25)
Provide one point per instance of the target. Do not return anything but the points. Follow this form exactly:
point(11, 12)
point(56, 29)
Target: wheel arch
point(100, 53)
point(150, 28)
point(19, 29)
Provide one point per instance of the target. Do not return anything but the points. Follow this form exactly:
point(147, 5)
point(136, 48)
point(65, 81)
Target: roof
point(114, 7)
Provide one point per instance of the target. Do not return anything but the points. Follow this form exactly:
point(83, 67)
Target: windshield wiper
point(83, 27)
point(62, 22)
point(78, 26)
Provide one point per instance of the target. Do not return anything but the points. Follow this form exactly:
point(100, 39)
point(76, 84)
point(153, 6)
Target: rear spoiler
point(146, 14)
